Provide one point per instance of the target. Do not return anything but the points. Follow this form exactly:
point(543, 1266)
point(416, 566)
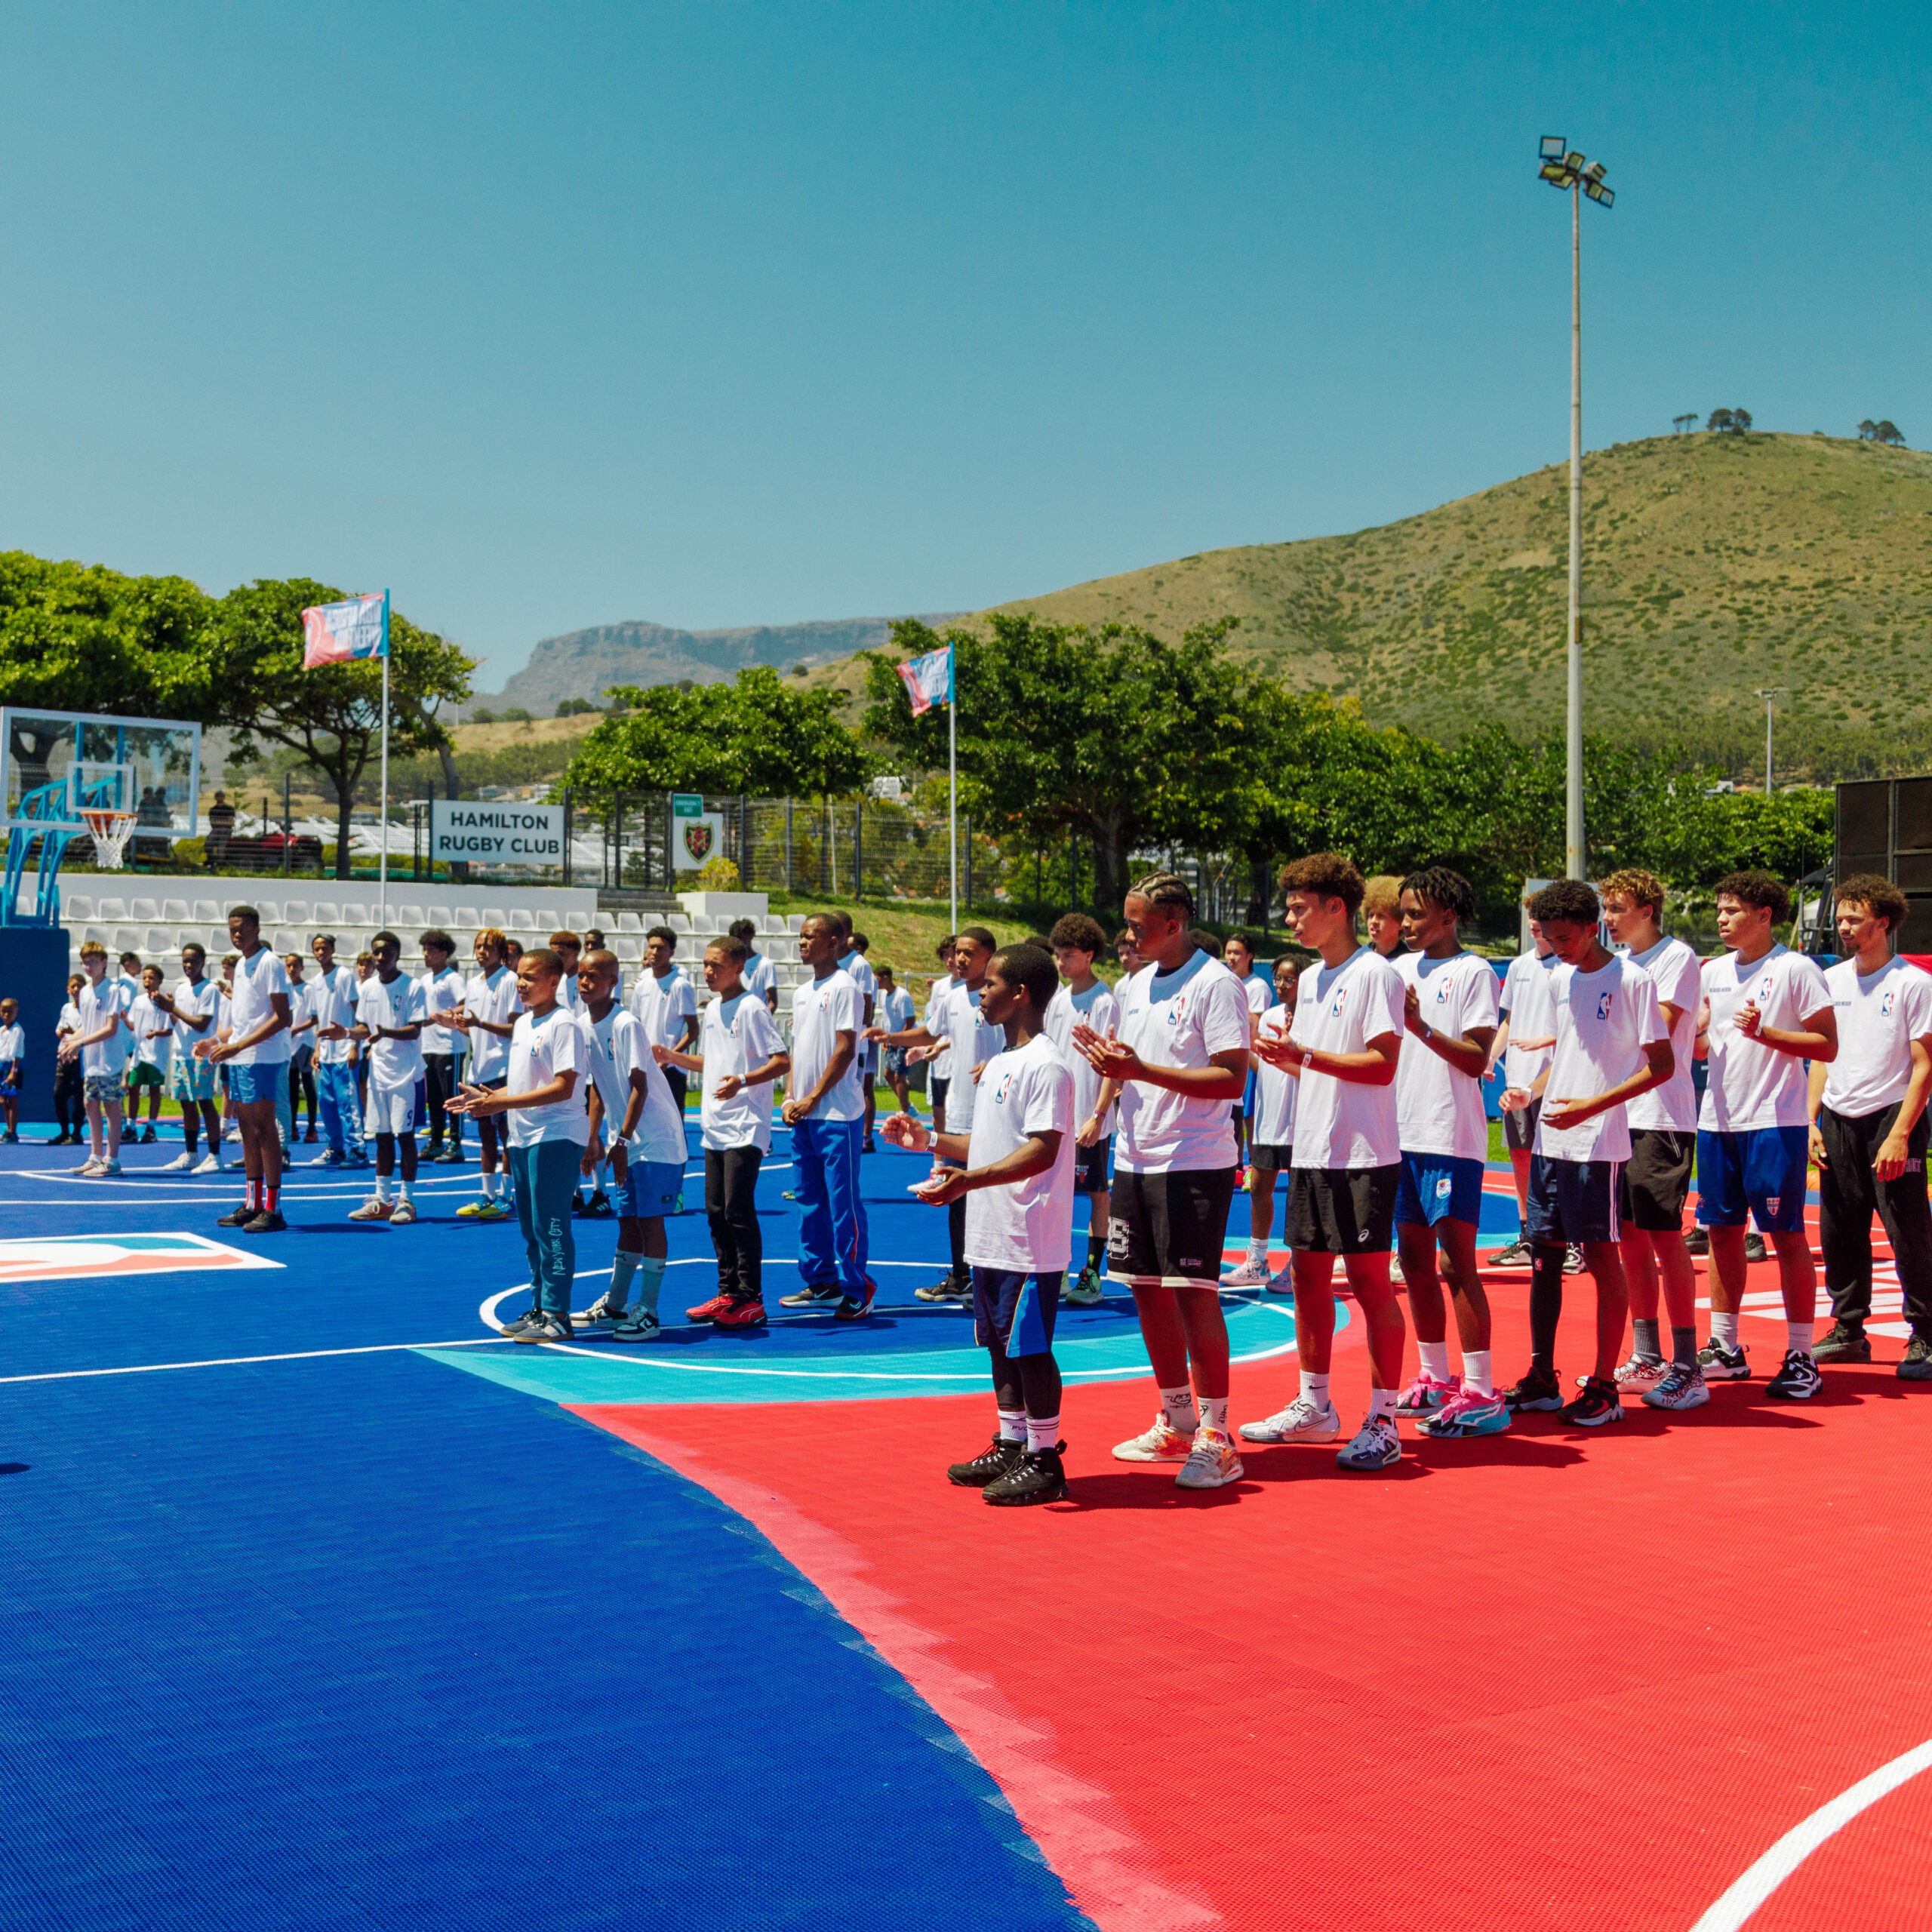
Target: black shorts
point(1090, 1166)
point(936, 1086)
point(1170, 1228)
point(1519, 1129)
point(1341, 1210)
point(1656, 1180)
point(1572, 1201)
point(1016, 1309)
point(1260, 1154)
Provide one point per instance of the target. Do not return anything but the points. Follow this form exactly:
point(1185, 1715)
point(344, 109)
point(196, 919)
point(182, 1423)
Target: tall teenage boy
point(488, 1014)
point(1015, 1172)
point(1178, 1054)
point(442, 1047)
point(1082, 997)
point(190, 1007)
point(389, 1012)
point(1271, 1137)
point(1871, 1132)
point(1769, 1013)
point(100, 1045)
point(256, 1054)
point(1522, 1047)
point(332, 1005)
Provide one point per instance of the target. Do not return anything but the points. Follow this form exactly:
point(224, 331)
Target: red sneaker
point(739, 1314)
point(709, 1310)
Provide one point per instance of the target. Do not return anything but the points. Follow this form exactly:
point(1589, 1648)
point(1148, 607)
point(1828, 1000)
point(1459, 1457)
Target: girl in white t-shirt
point(13, 1065)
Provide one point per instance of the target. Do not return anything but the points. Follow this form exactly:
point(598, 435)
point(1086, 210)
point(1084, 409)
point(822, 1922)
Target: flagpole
point(953, 791)
point(383, 913)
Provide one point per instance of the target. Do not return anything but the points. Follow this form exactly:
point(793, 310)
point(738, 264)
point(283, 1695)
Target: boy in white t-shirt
point(1522, 1048)
point(147, 1061)
point(1077, 942)
point(1871, 1132)
point(1271, 1135)
point(1178, 1057)
point(255, 1053)
point(1239, 957)
point(1015, 1172)
point(939, 1074)
point(443, 1047)
point(192, 1007)
point(896, 1012)
point(1450, 1016)
point(101, 1047)
point(488, 1014)
point(1769, 1012)
point(1347, 1158)
point(12, 1066)
point(741, 1053)
point(542, 1094)
point(1611, 1045)
point(389, 1012)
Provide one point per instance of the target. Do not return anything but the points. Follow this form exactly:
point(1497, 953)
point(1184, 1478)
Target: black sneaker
point(598, 1208)
point(527, 1319)
point(853, 1308)
point(1516, 1255)
point(1797, 1380)
point(949, 1287)
point(991, 1462)
point(1038, 1476)
point(1598, 1405)
point(1723, 1365)
point(1573, 1258)
point(1754, 1249)
point(1539, 1390)
point(1917, 1364)
point(147, 1137)
point(268, 1221)
point(1697, 1241)
point(577, 1205)
point(545, 1328)
point(240, 1218)
point(1842, 1341)
point(813, 1292)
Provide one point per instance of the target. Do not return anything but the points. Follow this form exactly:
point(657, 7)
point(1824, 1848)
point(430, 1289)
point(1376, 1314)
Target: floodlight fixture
point(1604, 197)
point(1553, 147)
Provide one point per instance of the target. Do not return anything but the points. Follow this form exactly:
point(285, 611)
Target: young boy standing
point(1238, 957)
point(1015, 1173)
point(1524, 1045)
point(191, 1008)
point(101, 1047)
point(761, 981)
point(13, 1065)
point(70, 1112)
point(491, 1004)
point(332, 1005)
point(1272, 1133)
point(301, 1044)
point(442, 990)
point(939, 1072)
point(256, 1054)
point(147, 1062)
point(895, 1007)
point(543, 1092)
point(389, 1013)
point(1083, 998)
point(741, 1053)
point(1611, 1045)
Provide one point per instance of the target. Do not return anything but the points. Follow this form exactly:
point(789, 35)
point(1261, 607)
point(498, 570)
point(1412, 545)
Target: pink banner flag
point(336, 633)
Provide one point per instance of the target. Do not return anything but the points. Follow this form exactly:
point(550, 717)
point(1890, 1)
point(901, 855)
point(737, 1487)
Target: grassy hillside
point(1713, 565)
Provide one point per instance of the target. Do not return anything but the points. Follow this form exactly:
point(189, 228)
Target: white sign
point(697, 839)
point(495, 832)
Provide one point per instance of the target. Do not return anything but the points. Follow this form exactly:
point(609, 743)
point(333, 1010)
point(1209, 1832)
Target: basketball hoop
point(110, 829)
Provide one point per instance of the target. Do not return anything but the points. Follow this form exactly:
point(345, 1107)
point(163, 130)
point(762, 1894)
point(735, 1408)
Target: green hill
point(1713, 565)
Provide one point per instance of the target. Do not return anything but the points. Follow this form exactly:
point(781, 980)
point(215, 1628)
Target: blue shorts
point(1573, 1201)
point(1439, 1187)
point(1016, 1309)
point(248, 1084)
point(1762, 1168)
point(650, 1189)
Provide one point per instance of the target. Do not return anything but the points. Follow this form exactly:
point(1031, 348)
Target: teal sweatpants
point(545, 1178)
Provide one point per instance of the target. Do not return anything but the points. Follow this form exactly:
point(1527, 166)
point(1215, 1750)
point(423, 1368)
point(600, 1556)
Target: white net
point(110, 829)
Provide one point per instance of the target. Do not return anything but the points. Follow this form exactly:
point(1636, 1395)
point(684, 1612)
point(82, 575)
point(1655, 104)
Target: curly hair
point(1079, 931)
point(1642, 888)
point(1441, 887)
point(1569, 899)
point(1879, 896)
point(1758, 889)
point(1328, 875)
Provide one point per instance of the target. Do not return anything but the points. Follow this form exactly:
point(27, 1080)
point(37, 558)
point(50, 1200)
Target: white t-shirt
point(395, 1066)
point(491, 996)
point(258, 980)
point(734, 1036)
point(1438, 1110)
point(662, 1006)
point(332, 1000)
point(200, 1002)
point(1180, 1018)
point(1604, 1021)
point(1274, 1122)
point(896, 1009)
point(758, 977)
point(1028, 1226)
point(619, 1049)
point(973, 1041)
point(1529, 1001)
point(1339, 1010)
point(68, 1022)
point(1097, 1006)
point(941, 1065)
point(442, 992)
point(1878, 1018)
point(541, 1049)
point(98, 1004)
point(1750, 1085)
point(145, 1017)
point(821, 1010)
point(1677, 973)
point(1259, 992)
point(13, 1043)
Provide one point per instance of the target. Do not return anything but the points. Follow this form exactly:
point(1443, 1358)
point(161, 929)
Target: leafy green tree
point(1719, 419)
point(332, 715)
point(754, 735)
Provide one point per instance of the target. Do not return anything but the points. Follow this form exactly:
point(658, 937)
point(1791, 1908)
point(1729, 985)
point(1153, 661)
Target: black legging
point(70, 1112)
point(731, 1184)
point(439, 1083)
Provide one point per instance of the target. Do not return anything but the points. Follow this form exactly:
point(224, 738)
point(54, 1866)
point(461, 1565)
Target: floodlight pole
point(1770, 698)
point(1573, 833)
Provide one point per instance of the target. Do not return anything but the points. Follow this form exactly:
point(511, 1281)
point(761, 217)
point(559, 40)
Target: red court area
point(1556, 1679)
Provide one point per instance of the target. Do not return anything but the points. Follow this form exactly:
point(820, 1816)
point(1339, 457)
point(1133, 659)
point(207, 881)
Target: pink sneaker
point(1426, 1395)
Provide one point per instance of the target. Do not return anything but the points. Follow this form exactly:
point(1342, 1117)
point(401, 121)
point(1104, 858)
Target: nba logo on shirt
point(1001, 1091)
point(1603, 1006)
point(1885, 1004)
point(1177, 1010)
point(1442, 994)
point(1341, 1000)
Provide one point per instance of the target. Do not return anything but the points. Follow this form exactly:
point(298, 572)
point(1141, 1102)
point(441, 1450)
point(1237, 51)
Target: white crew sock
point(1723, 1327)
point(407, 1189)
point(1042, 1432)
point(492, 1186)
point(1477, 1372)
point(1178, 1405)
point(1435, 1359)
point(1315, 1388)
point(1382, 1402)
point(622, 1269)
point(385, 1188)
point(650, 1279)
point(1214, 1412)
point(1257, 1247)
point(1797, 1336)
point(1013, 1425)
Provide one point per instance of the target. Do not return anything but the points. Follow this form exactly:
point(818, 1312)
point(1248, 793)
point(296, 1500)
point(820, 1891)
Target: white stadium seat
point(354, 916)
point(523, 920)
point(295, 911)
point(76, 905)
point(629, 922)
point(206, 912)
point(493, 916)
point(323, 913)
point(143, 908)
point(110, 909)
point(175, 912)
point(441, 916)
point(678, 922)
point(270, 910)
point(160, 942)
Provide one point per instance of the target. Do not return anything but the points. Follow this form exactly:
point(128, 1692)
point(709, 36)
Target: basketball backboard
point(56, 762)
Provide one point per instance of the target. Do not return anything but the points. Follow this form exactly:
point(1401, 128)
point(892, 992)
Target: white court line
point(1790, 1852)
point(238, 1362)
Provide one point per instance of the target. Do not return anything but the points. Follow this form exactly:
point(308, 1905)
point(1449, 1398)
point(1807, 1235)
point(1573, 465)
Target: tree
point(1868, 431)
point(1888, 432)
point(755, 735)
point(1719, 419)
point(1682, 425)
point(332, 715)
point(1740, 421)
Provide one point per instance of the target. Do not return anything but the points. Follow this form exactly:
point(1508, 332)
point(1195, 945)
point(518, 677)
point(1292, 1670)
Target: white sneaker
point(110, 1168)
point(1251, 1274)
point(1303, 1421)
point(1637, 1372)
point(1211, 1461)
point(606, 1308)
point(1377, 1446)
point(90, 1169)
point(180, 1165)
point(1160, 1444)
point(210, 1163)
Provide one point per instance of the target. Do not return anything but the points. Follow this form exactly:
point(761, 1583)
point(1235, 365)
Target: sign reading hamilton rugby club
point(503, 832)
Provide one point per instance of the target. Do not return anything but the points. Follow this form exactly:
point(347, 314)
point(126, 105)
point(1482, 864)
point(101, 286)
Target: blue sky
point(721, 314)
